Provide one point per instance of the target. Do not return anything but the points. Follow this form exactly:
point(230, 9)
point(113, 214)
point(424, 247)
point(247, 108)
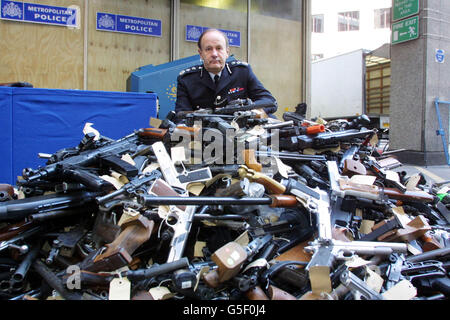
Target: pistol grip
point(272, 186)
point(135, 232)
point(250, 160)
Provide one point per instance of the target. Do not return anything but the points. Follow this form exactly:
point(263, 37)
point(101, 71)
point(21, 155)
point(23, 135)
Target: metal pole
point(441, 130)
point(249, 7)
point(174, 32)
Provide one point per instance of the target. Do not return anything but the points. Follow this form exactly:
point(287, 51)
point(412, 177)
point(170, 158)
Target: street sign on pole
point(404, 8)
point(405, 30)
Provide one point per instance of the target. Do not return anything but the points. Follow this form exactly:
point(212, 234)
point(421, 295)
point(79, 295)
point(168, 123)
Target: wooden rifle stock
point(278, 294)
point(429, 243)
point(152, 133)
point(165, 134)
point(283, 201)
point(418, 195)
point(12, 230)
point(135, 231)
point(256, 293)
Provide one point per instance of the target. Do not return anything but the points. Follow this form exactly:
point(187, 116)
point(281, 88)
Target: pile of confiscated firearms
point(244, 207)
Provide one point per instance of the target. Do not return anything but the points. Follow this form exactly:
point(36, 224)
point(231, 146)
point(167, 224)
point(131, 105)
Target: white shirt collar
point(212, 75)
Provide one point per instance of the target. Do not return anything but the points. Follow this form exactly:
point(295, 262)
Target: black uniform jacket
point(196, 90)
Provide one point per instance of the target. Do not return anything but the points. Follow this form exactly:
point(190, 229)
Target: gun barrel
point(233, 109)
point(150, 200)
point(19, 209)
point(54, 282)
point(282, 201)
point(371, 246)
point(23, 268)
point(6, 192)
point(157, 270)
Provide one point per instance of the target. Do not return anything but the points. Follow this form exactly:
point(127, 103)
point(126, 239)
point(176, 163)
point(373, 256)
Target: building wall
point(112, 56)
point(417, 80)
point(276, 50)
point(85, 58)
point(332, 42)
point(43, 55)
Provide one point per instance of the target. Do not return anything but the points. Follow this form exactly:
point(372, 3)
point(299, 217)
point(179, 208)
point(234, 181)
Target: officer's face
point(214, 51)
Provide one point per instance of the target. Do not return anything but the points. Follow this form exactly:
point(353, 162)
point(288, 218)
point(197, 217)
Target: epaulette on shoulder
point(236, 63)
point(191, 70)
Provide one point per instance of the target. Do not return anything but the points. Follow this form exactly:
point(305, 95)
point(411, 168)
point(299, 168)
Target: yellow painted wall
point(43, 55)
point(276, 49)
point(53, 56)
point(112, 56)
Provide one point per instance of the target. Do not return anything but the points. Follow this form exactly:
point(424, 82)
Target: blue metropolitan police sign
point(193, 34)
point(38, 13)
point(440, 55)
point(126, 24)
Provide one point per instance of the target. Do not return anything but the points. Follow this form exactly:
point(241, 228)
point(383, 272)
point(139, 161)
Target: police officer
point(216, 82)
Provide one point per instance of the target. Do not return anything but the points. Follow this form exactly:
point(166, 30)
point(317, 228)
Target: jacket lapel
point(207, 81)
point(225, 79)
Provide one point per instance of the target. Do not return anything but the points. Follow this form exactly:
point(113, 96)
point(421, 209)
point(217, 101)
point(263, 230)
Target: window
point(348, 21)
point(317, 23)
point(382, 18)
point(316, 56)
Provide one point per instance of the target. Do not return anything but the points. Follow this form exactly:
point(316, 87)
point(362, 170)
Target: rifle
point(245, 105)
point(11, 242)
point(324, 140)
point(280, 201)
point(290, 156)
point(156, 270)
point(300, 130)
point(22, 208)
point(242, 118)
point(342, 186)
point(76, 164)
point(135, 186)
point(211, 122)
point(298, 116)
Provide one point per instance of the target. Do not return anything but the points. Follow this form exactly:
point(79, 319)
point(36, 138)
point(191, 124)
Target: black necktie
point(216, 79)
